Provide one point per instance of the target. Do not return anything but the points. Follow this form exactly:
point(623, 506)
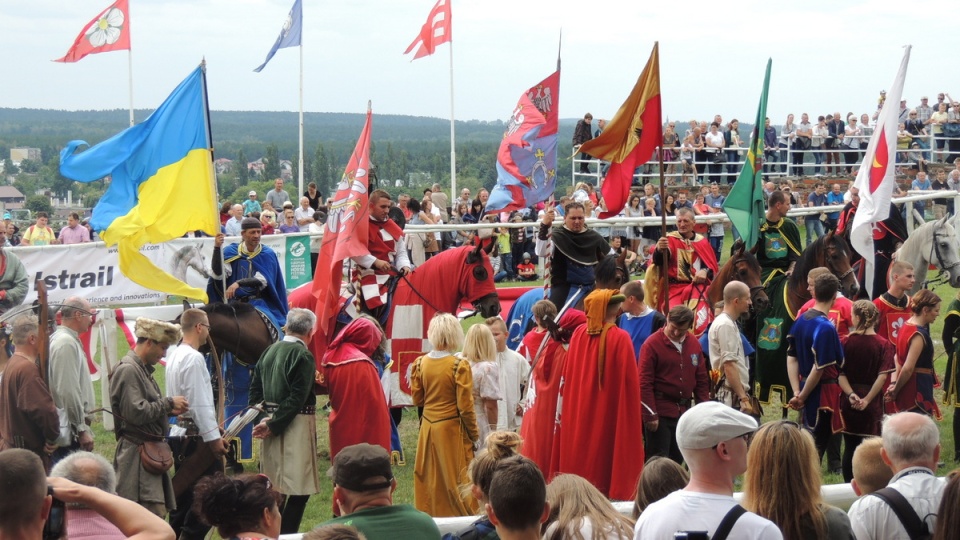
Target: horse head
point(944, 248)
point(833, 252)
point(746, 269)
point(612, 272)
point(475, 282)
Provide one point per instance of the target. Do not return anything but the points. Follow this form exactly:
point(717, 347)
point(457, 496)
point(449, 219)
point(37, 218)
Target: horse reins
point(944, 268)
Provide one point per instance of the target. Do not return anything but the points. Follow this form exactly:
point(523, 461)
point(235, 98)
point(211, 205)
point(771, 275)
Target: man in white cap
point(251, 204)
point(713, 439)
point(142, 414)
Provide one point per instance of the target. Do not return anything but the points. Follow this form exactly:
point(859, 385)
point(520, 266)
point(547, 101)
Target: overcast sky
point(827, 55)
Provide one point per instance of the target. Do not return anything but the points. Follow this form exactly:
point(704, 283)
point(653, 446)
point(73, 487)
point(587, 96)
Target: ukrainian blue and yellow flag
point(162, 183)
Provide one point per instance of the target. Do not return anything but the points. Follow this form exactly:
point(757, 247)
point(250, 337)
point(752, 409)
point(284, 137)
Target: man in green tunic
point(283, 381)
point(143, 414)
point(778, 250)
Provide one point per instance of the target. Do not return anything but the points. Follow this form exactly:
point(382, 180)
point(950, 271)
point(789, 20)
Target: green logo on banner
point(769, 337)
point(298, 269)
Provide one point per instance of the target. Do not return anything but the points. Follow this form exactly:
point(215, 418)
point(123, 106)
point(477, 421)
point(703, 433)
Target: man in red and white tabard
point(894, 305)
point(388, 249)
point(691, 265)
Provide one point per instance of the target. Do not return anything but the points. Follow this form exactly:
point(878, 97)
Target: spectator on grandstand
point(363, 491)
point(835, 131)
point(818, 143)
point(911, 447)
point(660, 477)
point(243, 506)
point(713, 439)
point(916, 128)
point(579, 510)
point(948, 515)
point(88, 469)
point(518, 499)
point(870, 473)
point(74, 232)
point(814, 222)
point(289, 224)
point(499, 445)
point(851, 143)
point(783, 481)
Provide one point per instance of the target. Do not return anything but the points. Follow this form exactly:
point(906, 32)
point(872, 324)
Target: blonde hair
point(782, 482)
point(445, 332)
point(574, 500)
point(813, 274)
point(869, 471)
point(499, 445)
point(660, 477)
point(867, 316)
point(479, 345)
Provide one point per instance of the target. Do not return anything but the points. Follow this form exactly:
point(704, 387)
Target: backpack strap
point(728, 521)
point(908, 517)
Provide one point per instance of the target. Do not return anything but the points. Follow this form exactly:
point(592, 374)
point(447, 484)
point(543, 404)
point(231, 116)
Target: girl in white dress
point(481, 350)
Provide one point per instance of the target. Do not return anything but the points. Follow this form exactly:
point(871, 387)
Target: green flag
point(744, 203)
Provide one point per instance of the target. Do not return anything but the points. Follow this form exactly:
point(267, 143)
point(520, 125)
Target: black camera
point(691, 535)
point(56, 523)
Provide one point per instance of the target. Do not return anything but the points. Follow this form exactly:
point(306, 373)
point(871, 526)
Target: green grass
point(319, 507)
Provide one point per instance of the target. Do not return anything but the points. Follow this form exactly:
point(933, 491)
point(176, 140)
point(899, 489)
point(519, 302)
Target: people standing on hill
point(582, 134)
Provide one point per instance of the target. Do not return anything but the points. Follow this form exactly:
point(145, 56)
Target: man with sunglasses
point(70, 381)
point(187, 376)
point(713, 439)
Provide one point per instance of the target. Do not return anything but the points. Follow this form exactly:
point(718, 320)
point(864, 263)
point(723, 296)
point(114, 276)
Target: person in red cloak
point(599, 432)
point(540, 418)
point(888, 236)
point(691, 264)
point(359, 408)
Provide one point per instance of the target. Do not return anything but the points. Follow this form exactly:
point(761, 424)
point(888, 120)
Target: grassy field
point(319, 507)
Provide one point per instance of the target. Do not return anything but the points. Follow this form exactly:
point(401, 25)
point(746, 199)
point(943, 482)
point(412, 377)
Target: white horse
point(932, 243)
point(188, 257)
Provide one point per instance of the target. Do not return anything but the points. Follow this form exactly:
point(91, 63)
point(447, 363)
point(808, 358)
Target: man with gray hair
point(88, 469)
point(441, 201)
point(911, 447)
point(28, 415)
point(283, 382)
point(232, 226)
point(70, 381)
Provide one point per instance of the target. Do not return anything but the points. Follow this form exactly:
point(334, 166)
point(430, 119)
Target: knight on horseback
point(888, 236)
point(387, 250)
point(691, 264)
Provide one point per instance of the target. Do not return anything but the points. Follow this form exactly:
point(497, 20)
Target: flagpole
point(213, 169)
point(300, 162)
point(665, 274)
point(130, 81)
point(453, 152)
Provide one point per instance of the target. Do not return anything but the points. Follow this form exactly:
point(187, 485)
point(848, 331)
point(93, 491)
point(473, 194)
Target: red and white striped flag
point(436, 31)
point(875, 180)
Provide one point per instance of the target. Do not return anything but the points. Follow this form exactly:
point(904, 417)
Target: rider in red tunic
point(599, 435)
point(388, 250)
point(690, 268)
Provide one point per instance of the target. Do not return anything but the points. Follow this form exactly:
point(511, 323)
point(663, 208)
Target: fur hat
point(159, 331)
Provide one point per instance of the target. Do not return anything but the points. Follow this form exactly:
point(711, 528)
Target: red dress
point(600, 433)
point(865, 357)
point(916, 394)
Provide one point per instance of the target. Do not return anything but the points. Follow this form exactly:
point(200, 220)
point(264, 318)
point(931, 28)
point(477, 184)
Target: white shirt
point(303, 213)
point(514, 371)
point(187, 376)
point(70, 382)
point(871, 518)
point(726, 346)
point(713, 140)
point(690, 511)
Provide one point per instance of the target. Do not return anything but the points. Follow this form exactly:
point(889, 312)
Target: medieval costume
point(359, 407)
point(574, 259)
point(442, 384)
point(894, 313)
point(777, 248)
point(951, 344)
point(840, 314)
point(142, 414)
point(916, 394)
point(386, 242)
point(687, 257)
point(865, 358)
point(248, 268)
point(28, 415)
point(599, 436)
point(887, 236)
point(540, 418)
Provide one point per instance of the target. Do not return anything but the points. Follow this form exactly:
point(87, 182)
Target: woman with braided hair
point(868, 361)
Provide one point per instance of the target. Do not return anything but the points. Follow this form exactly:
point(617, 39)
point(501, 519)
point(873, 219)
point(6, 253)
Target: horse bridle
point(944, 268)
point(842, 276)
point(756, 288)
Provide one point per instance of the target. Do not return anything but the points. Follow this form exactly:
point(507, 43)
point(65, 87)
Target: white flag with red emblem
point(875, 180)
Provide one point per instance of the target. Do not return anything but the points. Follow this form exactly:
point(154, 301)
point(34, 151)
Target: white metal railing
point(782, 163)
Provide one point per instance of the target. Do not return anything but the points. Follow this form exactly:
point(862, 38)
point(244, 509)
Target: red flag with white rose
point(108, 31)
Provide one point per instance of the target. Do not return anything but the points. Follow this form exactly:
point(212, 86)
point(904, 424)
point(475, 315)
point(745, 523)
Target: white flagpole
point(130, 77)
point(453, 152)
point(300, 162)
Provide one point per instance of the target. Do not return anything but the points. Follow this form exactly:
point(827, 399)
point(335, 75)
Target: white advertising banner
point(92, 271)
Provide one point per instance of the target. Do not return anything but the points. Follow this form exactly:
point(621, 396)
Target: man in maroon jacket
point(673, 377)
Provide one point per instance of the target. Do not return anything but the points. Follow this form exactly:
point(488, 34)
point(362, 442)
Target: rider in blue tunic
point(250, 266)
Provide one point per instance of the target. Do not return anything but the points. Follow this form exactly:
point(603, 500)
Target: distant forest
point(415, 150)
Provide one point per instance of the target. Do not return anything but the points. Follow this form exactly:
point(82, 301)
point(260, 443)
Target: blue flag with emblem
point(289, 35)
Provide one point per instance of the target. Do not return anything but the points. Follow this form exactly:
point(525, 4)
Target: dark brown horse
point(742, 266)
point(830, 251)
point(238, 328)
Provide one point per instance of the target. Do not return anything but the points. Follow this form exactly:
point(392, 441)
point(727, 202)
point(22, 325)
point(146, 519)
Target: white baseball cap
point(708, 424)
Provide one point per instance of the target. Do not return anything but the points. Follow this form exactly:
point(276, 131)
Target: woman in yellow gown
point(442, 384)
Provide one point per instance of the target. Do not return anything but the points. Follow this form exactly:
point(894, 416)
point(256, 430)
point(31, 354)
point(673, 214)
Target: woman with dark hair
point(476, 210)
point(660, 477)
point(243, 507)
point(911, 387)
point(782, 484)
point(948, 515)
point(868, 360)
point(634, 232)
